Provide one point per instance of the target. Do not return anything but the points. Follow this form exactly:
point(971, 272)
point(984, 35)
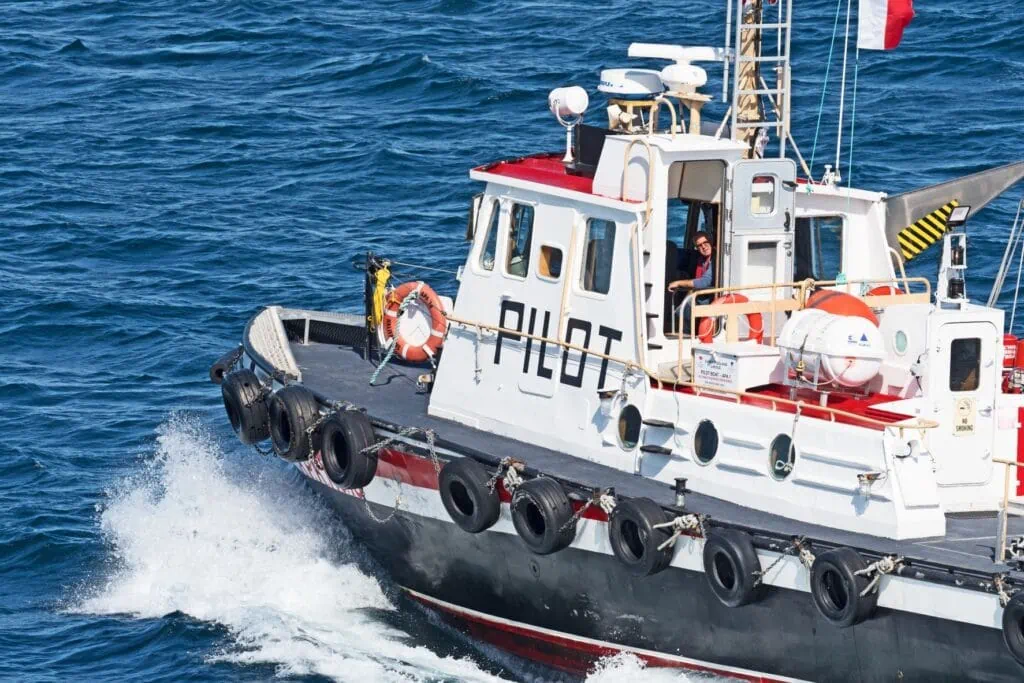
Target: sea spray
point(243, 545)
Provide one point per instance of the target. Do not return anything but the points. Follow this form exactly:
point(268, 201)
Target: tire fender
point(634, 539)
point(293, 410)
point(1013, 627)
point(541, 512)
point(344, 439)
point(836, 588)
point(731, 567)
point(470, 500)
point(246, 406)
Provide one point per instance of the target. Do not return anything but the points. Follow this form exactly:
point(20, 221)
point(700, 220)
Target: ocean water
point(166, 168)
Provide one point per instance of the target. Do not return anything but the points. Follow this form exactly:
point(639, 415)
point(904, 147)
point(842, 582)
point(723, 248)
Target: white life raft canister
point(848, 349)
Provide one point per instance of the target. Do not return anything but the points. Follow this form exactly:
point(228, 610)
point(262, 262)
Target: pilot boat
point(776, 457)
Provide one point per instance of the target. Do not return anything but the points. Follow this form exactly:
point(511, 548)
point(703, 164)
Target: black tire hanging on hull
point(731, 567)
point(836, 588)
point(467, 494)
point(293, 410)
point(344, 442)
point(541, 513)
point(246, 406)
point(1013, 627)
point(634, 539)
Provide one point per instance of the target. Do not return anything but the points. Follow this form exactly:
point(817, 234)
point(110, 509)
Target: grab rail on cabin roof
point(650, 185)
point(918, 424)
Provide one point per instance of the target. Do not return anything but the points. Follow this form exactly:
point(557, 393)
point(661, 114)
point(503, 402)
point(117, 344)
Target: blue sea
point(167, 168)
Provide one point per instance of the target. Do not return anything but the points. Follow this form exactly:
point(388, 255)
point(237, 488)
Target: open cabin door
point(759, 225)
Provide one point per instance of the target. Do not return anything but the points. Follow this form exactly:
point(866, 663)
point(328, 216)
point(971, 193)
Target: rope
point(1020, 265)
point(508, 471)
point(603, 498)
point(683, 524)
point(886, 565)
point(409, 298)
point(999, 583)
point(824, 86)
point(797, 546)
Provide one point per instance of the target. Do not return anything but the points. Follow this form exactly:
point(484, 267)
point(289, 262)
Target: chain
point(999, 582)
point(804, 552)
point(759, 576)
point(404, 433)
point(394, 509)
point(683, 524)
point(598, 497)
point(887, 564)
point(508, 471)
point(409, 298)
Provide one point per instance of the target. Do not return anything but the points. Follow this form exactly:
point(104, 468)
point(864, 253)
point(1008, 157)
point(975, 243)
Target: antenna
point(568, 105)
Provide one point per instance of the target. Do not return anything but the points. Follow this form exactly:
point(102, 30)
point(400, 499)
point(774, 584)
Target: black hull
point(590, 595)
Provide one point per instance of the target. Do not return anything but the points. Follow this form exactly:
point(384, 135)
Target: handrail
point(773, 306)
point(699, 389)
point(661, 99)
point(1004, 513)
point(650, 185)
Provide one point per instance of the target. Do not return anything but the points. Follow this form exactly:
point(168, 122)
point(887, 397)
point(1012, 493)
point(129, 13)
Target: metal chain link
point(508, 471)
point(595, 499)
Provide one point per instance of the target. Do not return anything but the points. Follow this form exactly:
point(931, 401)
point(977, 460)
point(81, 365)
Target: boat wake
point(241, 545)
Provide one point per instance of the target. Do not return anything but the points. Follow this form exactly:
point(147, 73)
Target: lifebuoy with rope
point(755, 323)
point(414, 321)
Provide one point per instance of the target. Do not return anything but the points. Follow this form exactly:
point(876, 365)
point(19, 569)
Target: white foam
point(243, 545)
point(628, 667)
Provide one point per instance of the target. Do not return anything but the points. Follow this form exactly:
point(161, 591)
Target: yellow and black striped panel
point(915, 238)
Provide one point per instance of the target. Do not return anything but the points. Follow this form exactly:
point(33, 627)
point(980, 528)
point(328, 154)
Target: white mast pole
point(842, 91)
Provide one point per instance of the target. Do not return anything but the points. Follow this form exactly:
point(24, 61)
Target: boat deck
point(340, 373)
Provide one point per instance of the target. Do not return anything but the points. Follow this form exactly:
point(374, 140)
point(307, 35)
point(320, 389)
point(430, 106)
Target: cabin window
point(550, 265)
point(520, 235)
point(819, 248)
point(597, 259)
point(629, 427)
point(705, 442)
point(490, 238)
point(781, 456)
point(964, 364)
point(762, 195)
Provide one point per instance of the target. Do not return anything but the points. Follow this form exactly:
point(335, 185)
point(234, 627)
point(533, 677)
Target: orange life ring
point(884, 290)
point(755, 323)
point(414, 343)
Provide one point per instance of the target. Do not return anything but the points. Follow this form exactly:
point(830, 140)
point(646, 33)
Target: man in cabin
point(703, 274)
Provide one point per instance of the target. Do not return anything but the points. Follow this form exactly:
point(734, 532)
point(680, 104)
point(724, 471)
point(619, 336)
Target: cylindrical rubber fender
point(731, 567)
point(541, 513)
point(293, 410)
point(836, 588)
point(246, 406)
point(345, 440)
point(468, 496)
point(224, 364)
point(634, 539)
point(1013, 627)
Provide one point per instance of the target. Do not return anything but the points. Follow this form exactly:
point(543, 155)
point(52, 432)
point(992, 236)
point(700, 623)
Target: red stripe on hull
point(563, 652)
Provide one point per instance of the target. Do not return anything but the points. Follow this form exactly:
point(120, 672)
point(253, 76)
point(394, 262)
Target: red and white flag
point(880, 23)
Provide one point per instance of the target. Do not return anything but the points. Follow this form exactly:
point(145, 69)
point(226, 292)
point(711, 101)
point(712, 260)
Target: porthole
point(629, 427)
point(781, 457)
point(705, 442)
point(900, 342)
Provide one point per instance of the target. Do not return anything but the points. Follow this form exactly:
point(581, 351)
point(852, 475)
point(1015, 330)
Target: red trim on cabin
point(860, 406)
point(546, 169)
point(563, 652)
